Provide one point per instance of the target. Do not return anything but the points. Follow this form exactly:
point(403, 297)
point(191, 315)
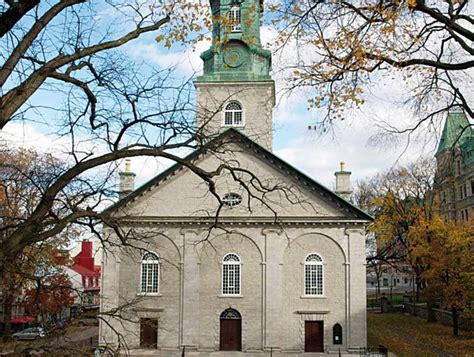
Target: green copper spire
point(236, 53)
point(456, 132)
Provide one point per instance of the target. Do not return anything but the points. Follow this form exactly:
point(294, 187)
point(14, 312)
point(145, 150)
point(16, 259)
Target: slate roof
point(233, 135)
point(455, 133)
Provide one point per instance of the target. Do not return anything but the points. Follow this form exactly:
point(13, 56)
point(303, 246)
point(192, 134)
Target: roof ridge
point(228, 132)
point(457, 129)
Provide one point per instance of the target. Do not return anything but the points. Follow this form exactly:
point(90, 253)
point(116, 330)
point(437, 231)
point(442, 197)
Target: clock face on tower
point(235, 54)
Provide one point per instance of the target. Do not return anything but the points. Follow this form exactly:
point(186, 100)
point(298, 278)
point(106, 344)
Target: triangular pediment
point(269, 187)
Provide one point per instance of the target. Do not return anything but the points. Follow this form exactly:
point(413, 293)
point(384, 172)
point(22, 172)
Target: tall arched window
point(313, 275)
point(233, 114)
point(231, 274)
point(234, 18)
point(150, 274)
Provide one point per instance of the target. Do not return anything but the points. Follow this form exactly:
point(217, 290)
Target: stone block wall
point(442, 316)
point(272, 301)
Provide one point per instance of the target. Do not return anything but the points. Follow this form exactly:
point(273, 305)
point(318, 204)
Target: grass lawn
point(408, 335)
point(396, 299)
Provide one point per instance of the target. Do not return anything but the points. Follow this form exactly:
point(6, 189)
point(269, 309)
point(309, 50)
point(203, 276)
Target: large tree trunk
point(455, 321)
point(7, 316)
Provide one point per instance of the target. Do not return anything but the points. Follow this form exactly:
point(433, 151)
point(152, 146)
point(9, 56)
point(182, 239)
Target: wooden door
point(149, 333)
point(231, 335)
point(313, 336)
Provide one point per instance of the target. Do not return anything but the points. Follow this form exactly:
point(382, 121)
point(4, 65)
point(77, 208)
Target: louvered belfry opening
point(230, 331)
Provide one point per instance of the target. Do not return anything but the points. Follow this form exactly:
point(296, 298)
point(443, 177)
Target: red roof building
point(85, 274)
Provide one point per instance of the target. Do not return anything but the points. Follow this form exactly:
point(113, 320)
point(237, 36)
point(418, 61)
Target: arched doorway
point(230, 331)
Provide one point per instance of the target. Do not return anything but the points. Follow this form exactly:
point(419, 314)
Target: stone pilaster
point(273, 282)
point(190, 291)
point(357, 295)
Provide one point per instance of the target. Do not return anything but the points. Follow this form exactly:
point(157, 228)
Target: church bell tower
point(236, 89)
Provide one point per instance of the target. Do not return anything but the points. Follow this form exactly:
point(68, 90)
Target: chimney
point(85, 258)
point(127, 181)
point(343, 183)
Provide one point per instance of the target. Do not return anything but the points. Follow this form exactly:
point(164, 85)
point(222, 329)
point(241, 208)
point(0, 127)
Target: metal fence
point(379, 351)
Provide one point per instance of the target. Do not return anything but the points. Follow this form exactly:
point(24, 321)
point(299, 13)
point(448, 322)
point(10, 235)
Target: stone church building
point(268, 260)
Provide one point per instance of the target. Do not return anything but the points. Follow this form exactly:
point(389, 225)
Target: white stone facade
point(256, 98)
point(167, 216)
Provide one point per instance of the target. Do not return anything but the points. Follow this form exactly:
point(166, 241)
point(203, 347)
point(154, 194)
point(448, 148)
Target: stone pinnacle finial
point(342, 165)
point(127, 180)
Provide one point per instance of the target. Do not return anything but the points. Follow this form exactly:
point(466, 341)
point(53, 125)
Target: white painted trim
point(223, 263)
point(149, 294)
point(143, 293)
point(322, 264)
point(243, 115)
point(313, 297)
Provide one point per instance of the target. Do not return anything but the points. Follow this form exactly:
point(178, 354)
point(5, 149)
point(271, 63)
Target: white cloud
point(28, 135)
point(319, 156)
point(187, 62)
point(352, 140)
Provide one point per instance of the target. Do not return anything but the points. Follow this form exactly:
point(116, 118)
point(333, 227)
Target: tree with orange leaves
point(346, 48)
point(444, 249)
point(50, 295)
point(397, 198)
point(23, 173)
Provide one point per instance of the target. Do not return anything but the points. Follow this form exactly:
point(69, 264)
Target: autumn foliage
point(346, 48)
point(409, 229)
point(445, 250)
point(51, 296)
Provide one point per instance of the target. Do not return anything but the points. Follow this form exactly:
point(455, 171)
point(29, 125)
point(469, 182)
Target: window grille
point(231, 199)
point(313, 274)
point(230, 314)
point(231, 274)
point(150, 273)
point(234, 19)
point(233, 114)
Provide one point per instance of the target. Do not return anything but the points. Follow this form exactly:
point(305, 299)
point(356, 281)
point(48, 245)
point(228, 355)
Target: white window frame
point(231, 199)
point(147, 290)
point(233, 112)
point(235, 18)
point(234, 264)
point(310, 265)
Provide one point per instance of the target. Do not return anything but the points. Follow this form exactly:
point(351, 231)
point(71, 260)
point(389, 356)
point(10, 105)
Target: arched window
point(230, 330)
point(313, 275)
point(234, 18)
point(150, 274)
point(231, 274)
point(337, 334)
point(233, 114)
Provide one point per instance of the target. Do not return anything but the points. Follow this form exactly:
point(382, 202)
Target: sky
point(353, 140)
